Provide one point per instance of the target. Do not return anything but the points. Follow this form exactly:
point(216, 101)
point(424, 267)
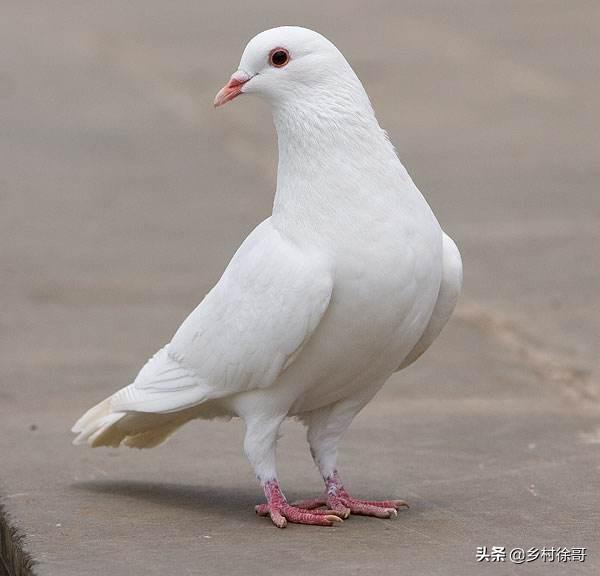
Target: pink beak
point(232, 89)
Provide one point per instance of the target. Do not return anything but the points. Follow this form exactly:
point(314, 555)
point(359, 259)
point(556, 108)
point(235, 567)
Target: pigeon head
point(327, 131)
point(290, 64)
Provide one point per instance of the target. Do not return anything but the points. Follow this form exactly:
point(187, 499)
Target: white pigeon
point(348, 281)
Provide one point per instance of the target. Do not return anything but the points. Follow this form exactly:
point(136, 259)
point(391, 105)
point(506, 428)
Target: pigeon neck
point(332, 157)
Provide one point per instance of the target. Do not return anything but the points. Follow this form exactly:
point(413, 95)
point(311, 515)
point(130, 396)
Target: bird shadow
point(215, 499)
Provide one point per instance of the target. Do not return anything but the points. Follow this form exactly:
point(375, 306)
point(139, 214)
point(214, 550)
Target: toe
point(370, 510)
point(278, 519)
point(396, 504)
point(280, 515)
point(339, 508)
point(262, 509)
point(321, 512)
point(385, 503)
point(310, 504)
point(315, 517)
point(343, 512)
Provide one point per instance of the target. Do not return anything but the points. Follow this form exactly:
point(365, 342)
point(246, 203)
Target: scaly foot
point(280, 511)
point(342, 503)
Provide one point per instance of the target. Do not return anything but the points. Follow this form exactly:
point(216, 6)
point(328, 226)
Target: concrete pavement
point(122, 196)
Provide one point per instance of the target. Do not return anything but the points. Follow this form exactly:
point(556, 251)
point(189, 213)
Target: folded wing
point(244, 333)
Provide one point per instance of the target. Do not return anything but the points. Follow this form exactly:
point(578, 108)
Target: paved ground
point(123, 194)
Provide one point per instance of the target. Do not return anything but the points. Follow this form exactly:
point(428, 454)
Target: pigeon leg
point(325, 429)
point(338, 500)
point(260, 444)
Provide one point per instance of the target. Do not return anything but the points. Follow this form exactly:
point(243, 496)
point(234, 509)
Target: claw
point(342, 510)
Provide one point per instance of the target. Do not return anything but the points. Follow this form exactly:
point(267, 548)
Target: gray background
point(123, 194)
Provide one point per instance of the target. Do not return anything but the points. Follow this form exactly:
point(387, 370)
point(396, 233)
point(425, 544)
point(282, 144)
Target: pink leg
point(342, 503)
point(280, 511)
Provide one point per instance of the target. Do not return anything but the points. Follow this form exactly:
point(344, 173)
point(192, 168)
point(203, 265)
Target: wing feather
point(245, 332)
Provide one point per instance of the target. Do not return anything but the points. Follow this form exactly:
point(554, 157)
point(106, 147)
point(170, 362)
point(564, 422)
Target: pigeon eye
point(279, 57)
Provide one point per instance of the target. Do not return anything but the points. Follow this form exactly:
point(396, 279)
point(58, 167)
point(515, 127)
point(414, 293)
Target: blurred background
point(123, 194)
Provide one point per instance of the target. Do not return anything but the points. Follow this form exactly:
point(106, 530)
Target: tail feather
point(163, 397)
point(100, 426)
point(106, 431)
point(92, 415)
point(155, 436)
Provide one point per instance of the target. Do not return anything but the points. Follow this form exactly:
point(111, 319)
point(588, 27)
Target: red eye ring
point(279, 57)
